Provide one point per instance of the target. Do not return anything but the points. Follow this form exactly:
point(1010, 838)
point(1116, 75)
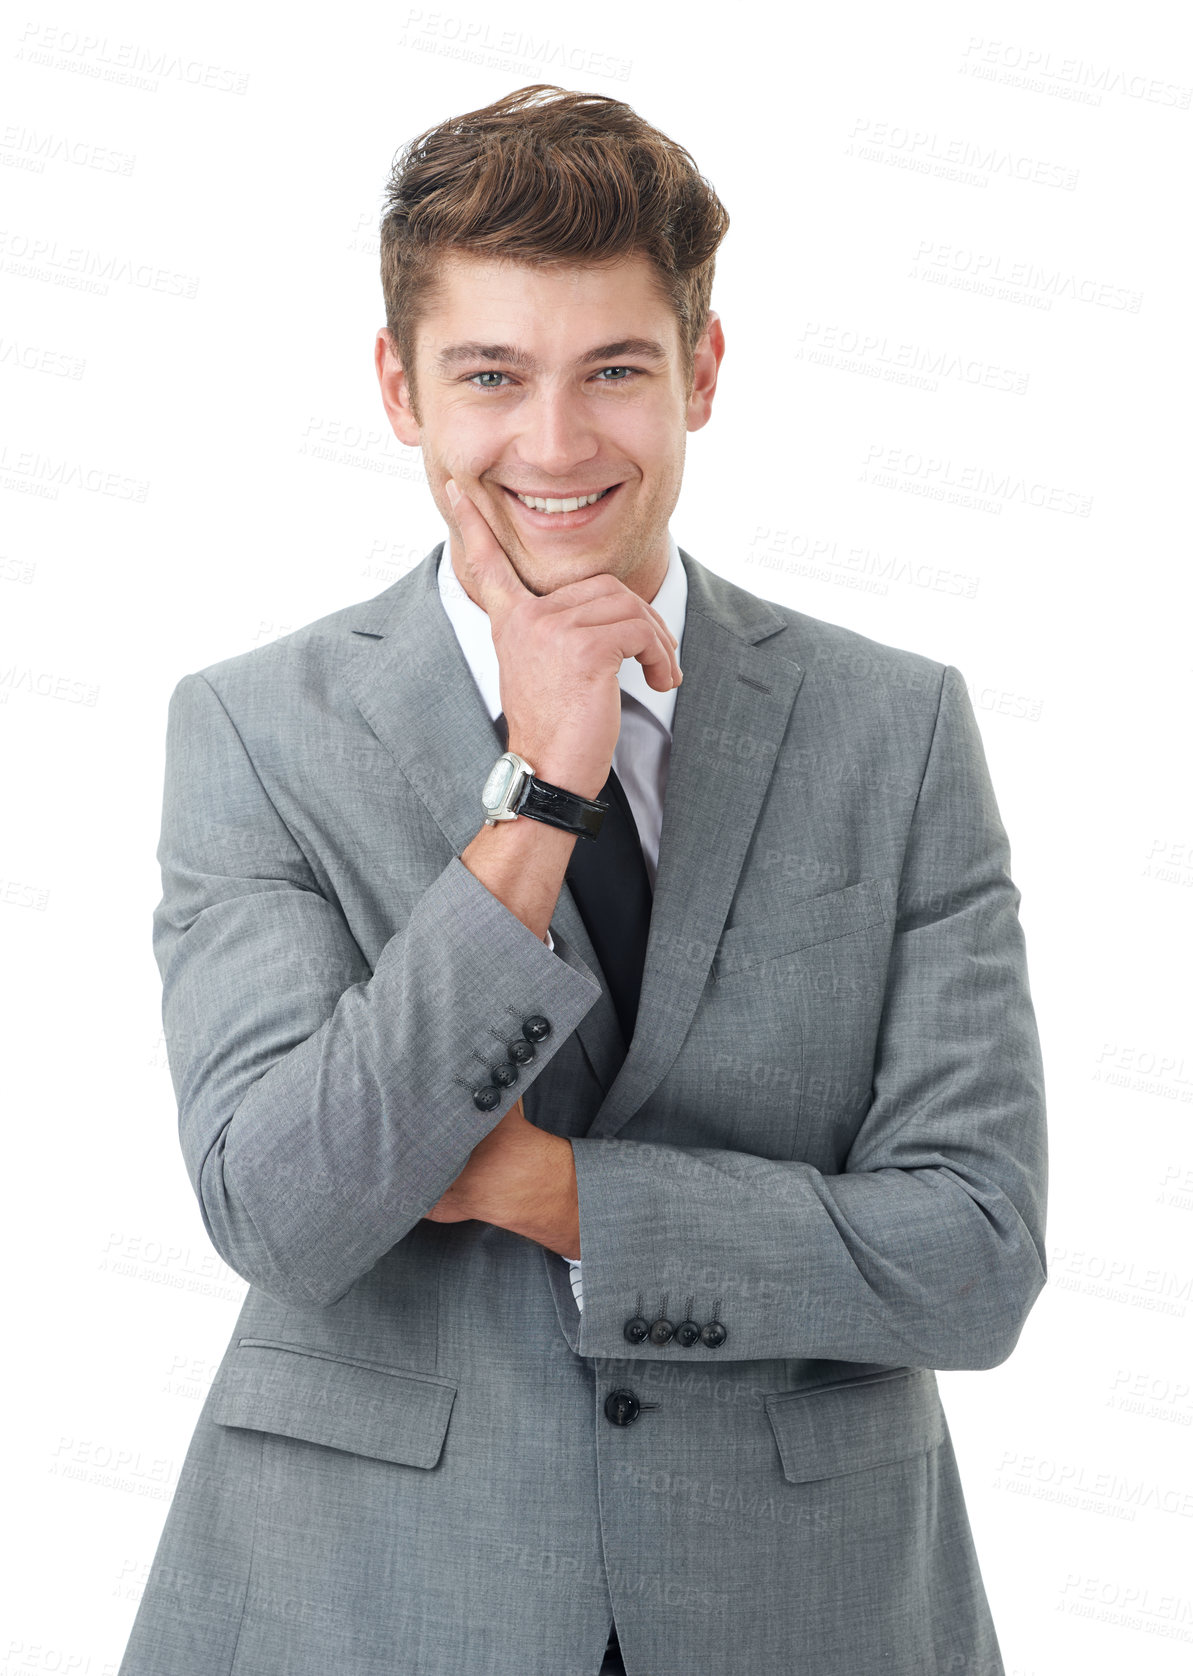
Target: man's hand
point(518, 1177)
point(475, 1181)
point(559, 655)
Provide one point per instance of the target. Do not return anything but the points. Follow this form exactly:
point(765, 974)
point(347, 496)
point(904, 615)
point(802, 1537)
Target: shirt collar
point(471, 625)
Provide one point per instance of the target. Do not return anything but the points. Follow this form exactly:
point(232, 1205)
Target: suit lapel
point(731, 713)
point(411, 682)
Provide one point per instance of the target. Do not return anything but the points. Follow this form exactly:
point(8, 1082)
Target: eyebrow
point(458, 353)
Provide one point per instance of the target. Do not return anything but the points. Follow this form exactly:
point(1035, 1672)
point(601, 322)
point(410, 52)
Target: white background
point(195, 460)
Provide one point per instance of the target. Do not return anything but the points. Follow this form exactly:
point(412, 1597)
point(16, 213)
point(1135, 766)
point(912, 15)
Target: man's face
point(555, 383)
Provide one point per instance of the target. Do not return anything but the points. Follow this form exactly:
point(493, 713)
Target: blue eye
point(491, 372)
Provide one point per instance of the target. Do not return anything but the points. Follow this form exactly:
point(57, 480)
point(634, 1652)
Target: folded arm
point(324, 1108)
point(928, 1248)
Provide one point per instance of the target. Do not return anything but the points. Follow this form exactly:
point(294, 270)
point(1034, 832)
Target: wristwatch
point(512, 790)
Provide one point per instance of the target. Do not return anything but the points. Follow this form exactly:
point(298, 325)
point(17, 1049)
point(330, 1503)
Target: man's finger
point(492, 579)
point(656, 654)
point(674, 639)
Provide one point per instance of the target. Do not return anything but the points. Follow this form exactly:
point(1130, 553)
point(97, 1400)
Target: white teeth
point(541, 505)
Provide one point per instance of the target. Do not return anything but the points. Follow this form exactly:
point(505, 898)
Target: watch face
point(500, 778)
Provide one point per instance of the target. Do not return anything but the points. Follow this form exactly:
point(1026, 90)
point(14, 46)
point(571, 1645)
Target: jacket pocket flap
point(801, 925)
point(832, 1429)
point(393, 1414)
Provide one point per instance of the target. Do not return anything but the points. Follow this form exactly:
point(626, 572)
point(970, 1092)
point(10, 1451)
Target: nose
point(556, 433)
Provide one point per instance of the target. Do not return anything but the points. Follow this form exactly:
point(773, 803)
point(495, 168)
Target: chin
point(543, 573)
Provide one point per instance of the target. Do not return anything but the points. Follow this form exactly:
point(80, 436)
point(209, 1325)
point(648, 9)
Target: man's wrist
point(522, 863)
point(561, 772)
point(536, 1194)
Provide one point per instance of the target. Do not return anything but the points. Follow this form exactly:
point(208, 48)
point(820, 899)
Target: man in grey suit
point(618, 1084)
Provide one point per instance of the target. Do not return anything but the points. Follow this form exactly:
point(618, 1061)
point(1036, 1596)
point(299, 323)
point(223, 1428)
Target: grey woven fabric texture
point(828, 1136)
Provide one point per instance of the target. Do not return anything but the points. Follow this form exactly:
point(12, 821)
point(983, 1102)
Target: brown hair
point(545, 175)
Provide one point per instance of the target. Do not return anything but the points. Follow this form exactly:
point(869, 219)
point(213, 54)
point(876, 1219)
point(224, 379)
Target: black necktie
point(607, 877)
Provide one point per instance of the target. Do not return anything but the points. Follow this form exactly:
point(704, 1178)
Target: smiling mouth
point(561, 503)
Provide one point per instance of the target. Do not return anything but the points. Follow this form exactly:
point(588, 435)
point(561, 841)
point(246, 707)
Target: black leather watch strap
point(553, 805)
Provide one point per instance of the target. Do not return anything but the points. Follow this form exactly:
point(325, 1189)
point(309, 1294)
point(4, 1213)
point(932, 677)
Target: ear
point(395, 390)
point(706, 364)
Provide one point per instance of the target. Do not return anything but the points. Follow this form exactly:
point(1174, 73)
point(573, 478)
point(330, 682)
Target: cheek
point(464, 442)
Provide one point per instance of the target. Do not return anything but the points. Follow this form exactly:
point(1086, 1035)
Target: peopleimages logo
point(935, 475)
point(476, 41)
point(107, 58)
point(952, 155)
point(876, 355)
point(990, 274)
point(1065, 76)
point(79, 269)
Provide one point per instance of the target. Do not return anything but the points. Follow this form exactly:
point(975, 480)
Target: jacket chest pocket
point(792, 927)
point(364, 1408)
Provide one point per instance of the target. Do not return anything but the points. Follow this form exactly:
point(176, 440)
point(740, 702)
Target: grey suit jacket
point(828, 1135)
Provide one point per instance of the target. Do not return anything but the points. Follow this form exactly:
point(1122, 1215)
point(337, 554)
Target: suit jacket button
point(622, 1408)
point(661, 1331)
point(636, 1329)
point(486, 1098)
point(713, 1334)
point(521, 1051)
point(536, 1028)
point(687, 1333)
point(504, 1076)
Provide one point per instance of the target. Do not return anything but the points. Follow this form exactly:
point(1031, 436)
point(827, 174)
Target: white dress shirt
point(642, 755)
